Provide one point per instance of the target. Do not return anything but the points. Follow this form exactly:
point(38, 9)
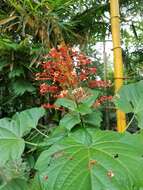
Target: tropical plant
point(65, 147)
point(70, 77)
point(12, 145)
point(24, 33)
point(129, 100)
point(85, 157)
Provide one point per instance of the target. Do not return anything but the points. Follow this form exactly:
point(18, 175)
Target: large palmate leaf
point(11, 131)
point(11, 144)
point(131, 100)
point(111, 161)
point(28, 119)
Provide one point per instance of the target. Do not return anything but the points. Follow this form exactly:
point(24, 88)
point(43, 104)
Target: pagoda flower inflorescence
point(65, 73)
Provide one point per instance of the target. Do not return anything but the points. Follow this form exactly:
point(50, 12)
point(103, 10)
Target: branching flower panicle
point(65, 73)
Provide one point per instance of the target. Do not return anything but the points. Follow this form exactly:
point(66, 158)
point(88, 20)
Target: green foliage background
point(28, 29)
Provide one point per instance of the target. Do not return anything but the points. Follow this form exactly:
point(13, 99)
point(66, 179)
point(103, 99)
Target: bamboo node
point(117, 47)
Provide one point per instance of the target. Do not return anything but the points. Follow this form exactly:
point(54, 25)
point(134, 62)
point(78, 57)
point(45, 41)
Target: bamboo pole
point(118, 61)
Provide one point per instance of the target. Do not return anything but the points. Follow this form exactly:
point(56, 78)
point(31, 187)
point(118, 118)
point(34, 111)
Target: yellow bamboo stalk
point(118, 61)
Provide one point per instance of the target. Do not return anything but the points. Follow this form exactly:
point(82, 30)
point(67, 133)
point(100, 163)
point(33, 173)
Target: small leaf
point(70, 104)
point(16, 72)
point(94, 118)
point(58, 134)
point(89, 101)
point(83, 109)
point(70, 120)
point(19, 87)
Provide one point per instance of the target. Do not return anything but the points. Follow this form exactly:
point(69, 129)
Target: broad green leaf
point(11, 131)
point(70, 104)
point(131, 100)
point(27, 119)
point(36, 184)
point(112, 161)
point(139, 118)
point(15, 184)
point(6, 123)
point(11, 144)
point(94, 118)
point(70, 120)
point(83, 135)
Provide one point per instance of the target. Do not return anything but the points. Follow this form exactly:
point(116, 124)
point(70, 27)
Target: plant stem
point(81, 119)
point(33, 144)
point(130, 121)
point(41, 133)
point(82, 122)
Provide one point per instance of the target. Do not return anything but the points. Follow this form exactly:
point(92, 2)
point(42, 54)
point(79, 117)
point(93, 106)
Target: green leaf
point(83, 109)
point(36, 185)
point(130, 100)
point(70, 120)
point(15, 184)
point(16, 72)
point(83, 135)
point(11, 144)
point(19, 87)
point(70, 104)
point(91, 99)
point(3, 64)
point(8, 45)
point(112, 161)
point(94, 118)
point(11, 131)
point(58, 134)
point(28, 119)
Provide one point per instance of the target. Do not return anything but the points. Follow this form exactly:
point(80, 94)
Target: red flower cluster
point(58, 69)
point(99, 84)
point(102, 99)
point(62, 94)
point(44, 88)
point(52, 106)
point(66, 70)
